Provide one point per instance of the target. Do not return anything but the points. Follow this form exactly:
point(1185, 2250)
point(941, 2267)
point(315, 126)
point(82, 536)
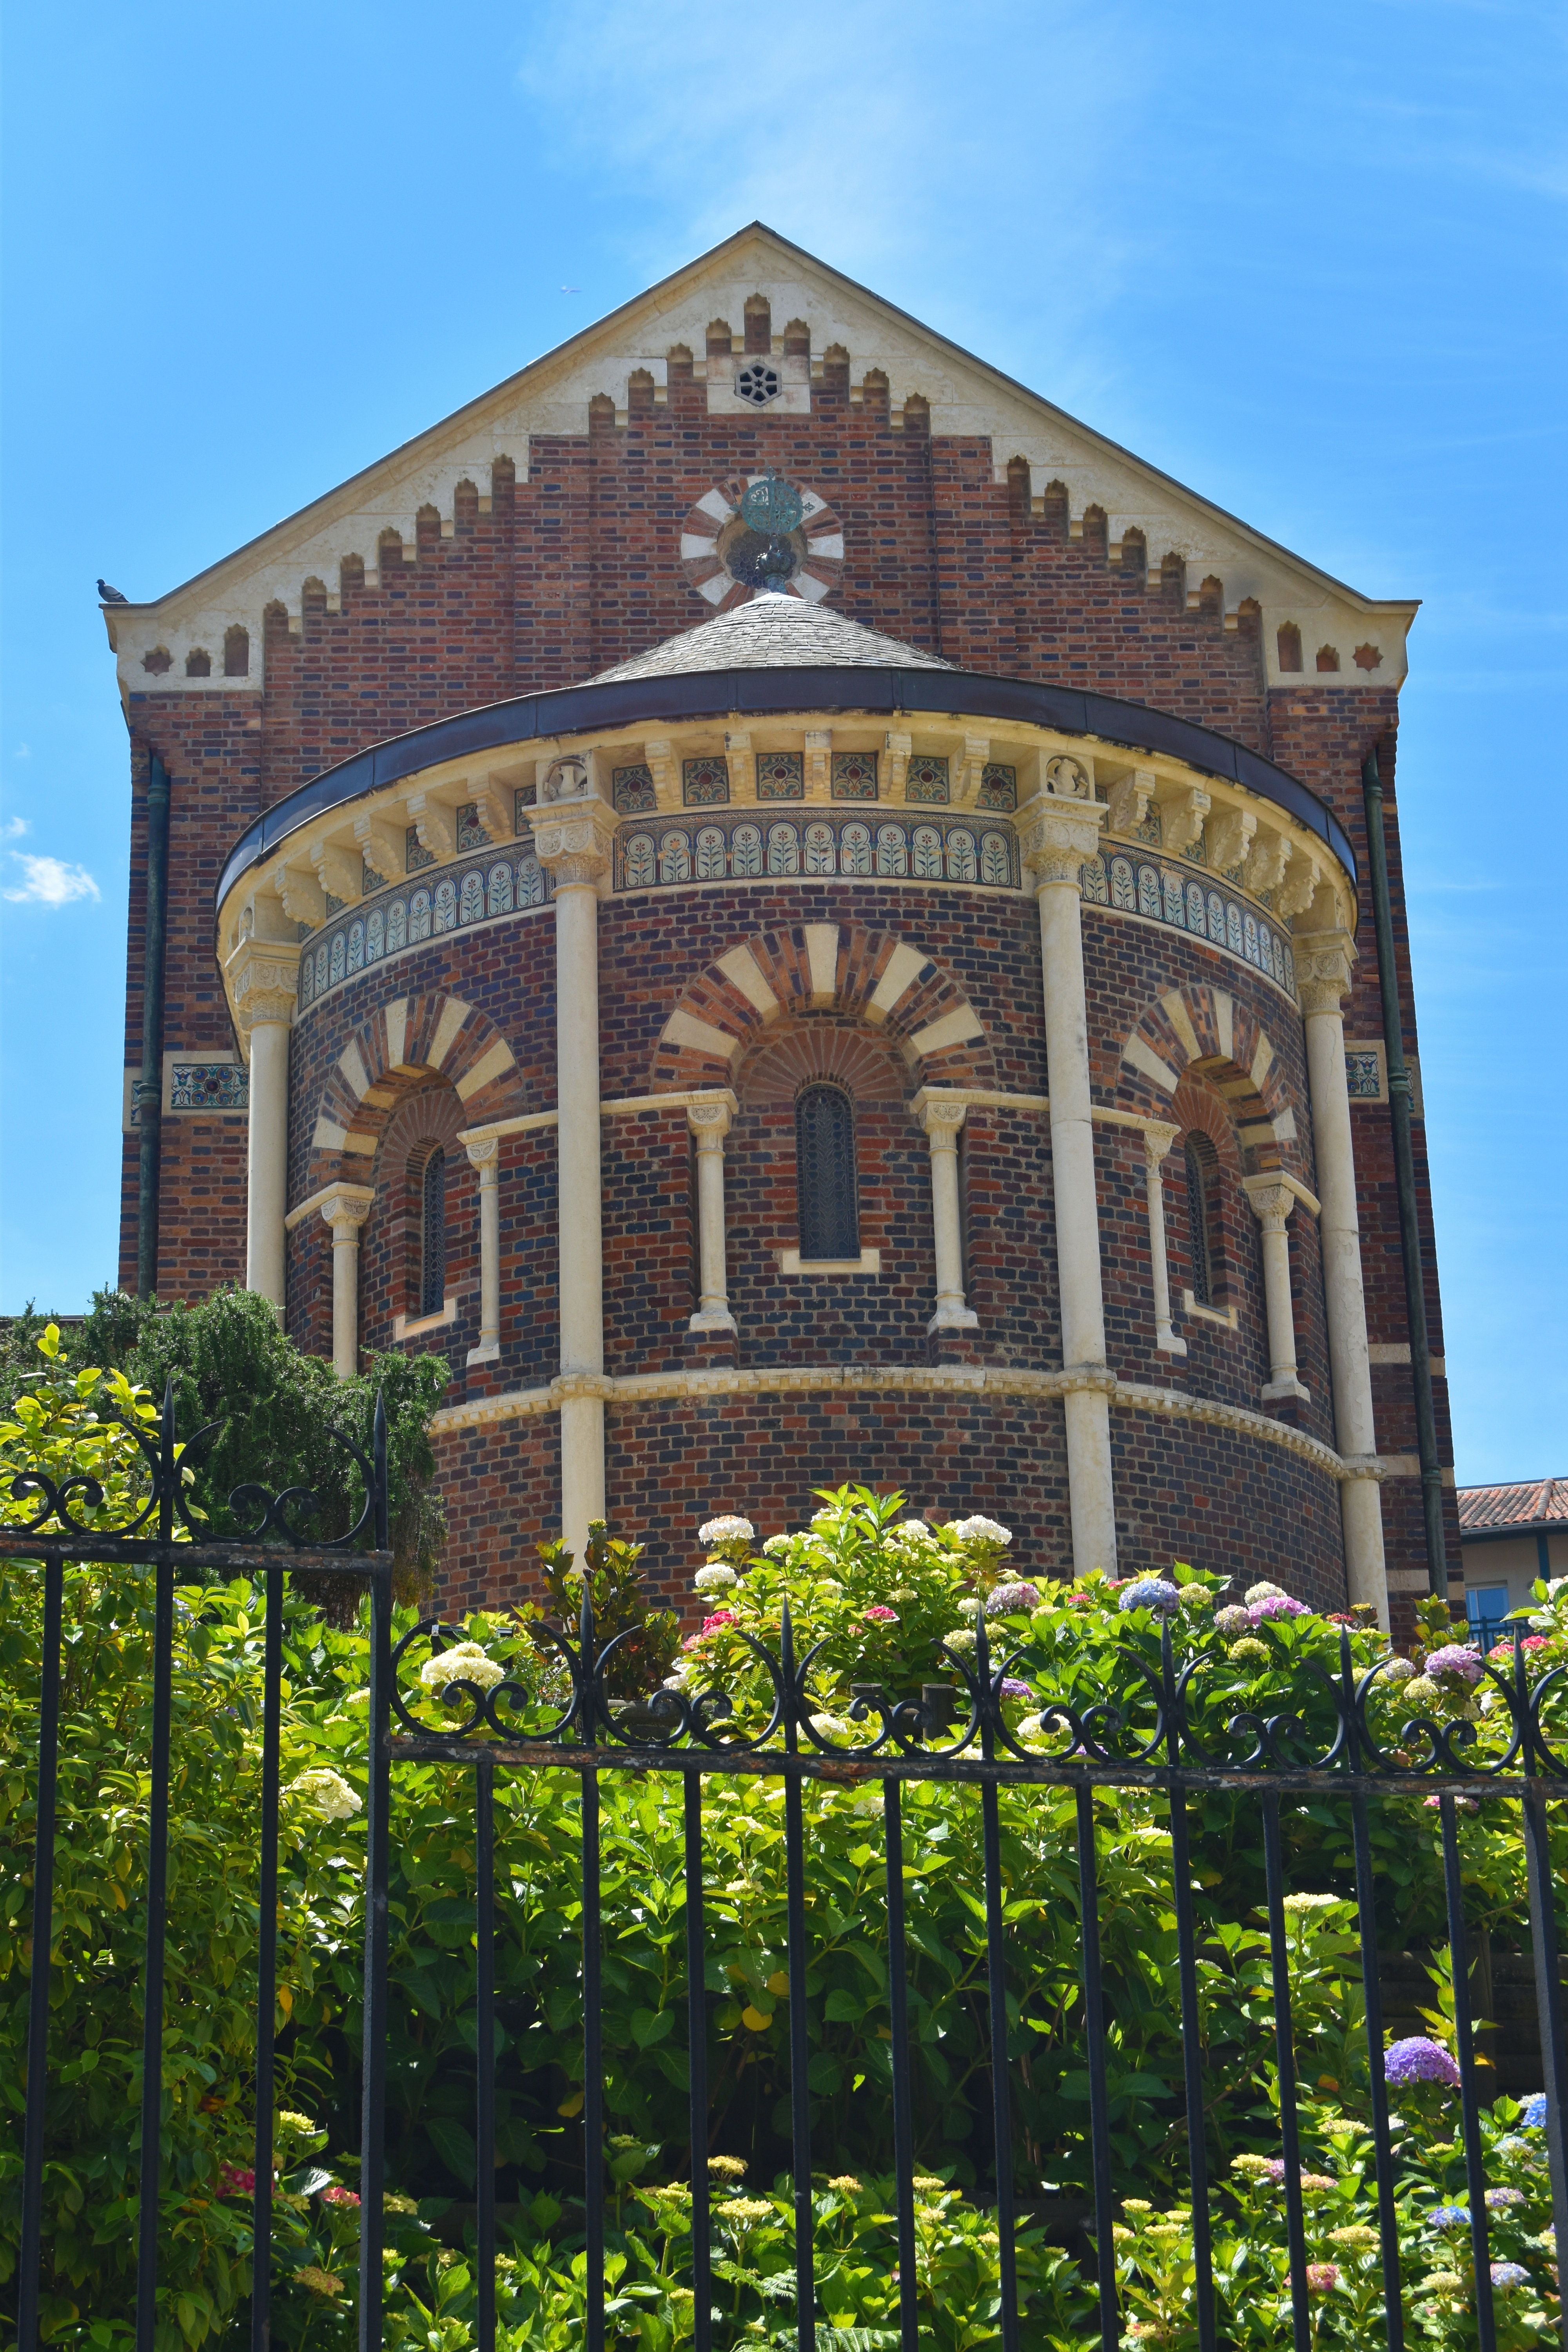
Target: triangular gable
point(966, 397)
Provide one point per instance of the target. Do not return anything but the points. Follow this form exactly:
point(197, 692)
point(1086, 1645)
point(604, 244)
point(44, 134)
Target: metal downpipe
point(1399, 1105)
point(149, 1086)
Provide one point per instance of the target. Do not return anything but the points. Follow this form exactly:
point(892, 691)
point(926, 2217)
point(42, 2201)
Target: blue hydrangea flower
point(1152, 1592)
point(1418, 2060)
point(1535, 2116)
point(1500, 2198)
point(1451, 2216)
point(1510, 2275)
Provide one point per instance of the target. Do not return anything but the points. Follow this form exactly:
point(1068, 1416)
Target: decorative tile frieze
point(999, 785)
point(405, 918)
point(207, 1085)
point(471, 834)
point(926, 778)
point(1365, 1080)
point(780, 776)
point(632, 790)
point(853, 775)
point(705, 782)
point(416, 855)
point(1135, 887)
point(526, 797)
point(850, 848)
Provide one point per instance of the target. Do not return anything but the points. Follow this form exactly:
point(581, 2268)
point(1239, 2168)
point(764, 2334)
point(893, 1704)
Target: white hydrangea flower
point(823, 1519)
point(358, 1698)
point(830, 1585)
point(830, 1727)
point(464, 1662)
point(776, 1546)
point(980, 1530)
point(715, 1578)
point(970, 1606)
point(726, 1528)
point(677, 1681)
point(1256, 1593)
point(327, 1793)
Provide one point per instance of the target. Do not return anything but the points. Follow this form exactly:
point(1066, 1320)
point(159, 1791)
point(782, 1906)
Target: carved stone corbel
point(1267, 861)
point(304, 900)
point(382, 845)
point(339, 869)
point(897, 746)
point(1230, 837)
point(1183, 808)
point(665, 769)
point(436, 824)
point(741, 763)
point(818, 761)
point(1130, 799)
point(1298, 887)
point(968, 767)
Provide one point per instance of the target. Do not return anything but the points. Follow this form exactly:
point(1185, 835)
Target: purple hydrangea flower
point(1451, 2216)
point(1496, 2199)
point(1233, 1620)
point(1456, 1658)
point(1509, 2274)
point(1008, 1597)
point(1417, 2060)
point(1012, 1689)
point(1535, 2116)
point(1279, 1604)
point(1151, 1592)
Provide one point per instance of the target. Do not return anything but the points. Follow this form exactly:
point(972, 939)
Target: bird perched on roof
point(108, 595)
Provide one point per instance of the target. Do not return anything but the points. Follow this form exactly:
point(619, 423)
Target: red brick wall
point(577, 568)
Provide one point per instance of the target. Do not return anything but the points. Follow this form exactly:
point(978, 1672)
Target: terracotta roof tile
point(1532, 1502)
point(774, 632)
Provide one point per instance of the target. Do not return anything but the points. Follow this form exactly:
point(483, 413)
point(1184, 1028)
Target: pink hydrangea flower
point(1322, 2277)
point(1279, 1604)
point(1456, 1658)
point(235, 2180)
point(717, 1623)
point(336, 2196)
point(878, 1615)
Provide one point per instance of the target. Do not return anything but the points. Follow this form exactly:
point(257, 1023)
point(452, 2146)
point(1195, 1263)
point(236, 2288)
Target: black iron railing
point(1161, 1743)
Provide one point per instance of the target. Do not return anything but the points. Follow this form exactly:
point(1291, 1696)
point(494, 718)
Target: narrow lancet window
point(1198, 1206)
point(433, 1237)
point(827, 1191)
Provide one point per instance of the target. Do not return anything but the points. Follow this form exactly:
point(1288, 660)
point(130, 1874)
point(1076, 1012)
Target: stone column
point(1272, 1202)
point(485, 1155)
point(943, 1119)
point(710, 1123)
point(345, 1208)
point(573, 838)
point(1322, 973)
point(1157, 1142)
point(264, 979)
point(1059, 829)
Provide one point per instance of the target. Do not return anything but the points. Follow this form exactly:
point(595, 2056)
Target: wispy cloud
point(49, 881)
point(14, 828)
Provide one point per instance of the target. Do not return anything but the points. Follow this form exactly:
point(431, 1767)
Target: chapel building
point(798, 915)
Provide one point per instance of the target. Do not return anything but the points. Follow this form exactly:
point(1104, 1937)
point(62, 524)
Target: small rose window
point(759, 383)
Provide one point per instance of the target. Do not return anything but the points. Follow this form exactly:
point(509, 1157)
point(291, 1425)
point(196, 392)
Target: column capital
point(485, 1155)
point(263, 983)
point(347, 1205)
point(710, 1121)
point(1272, 1200)
point(1323, 961)
point(573, 841)
point(1061, 827)
point(1158, 1138)
point(941, 1117)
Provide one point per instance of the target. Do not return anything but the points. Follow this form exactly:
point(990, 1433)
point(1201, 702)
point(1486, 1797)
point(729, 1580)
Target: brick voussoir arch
point(872, 976)
point(405, 1040)
point(1211, 1031)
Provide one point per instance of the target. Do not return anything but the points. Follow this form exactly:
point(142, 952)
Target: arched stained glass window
point(433, 1235)
point(1199, 1155)
point(827, 1191)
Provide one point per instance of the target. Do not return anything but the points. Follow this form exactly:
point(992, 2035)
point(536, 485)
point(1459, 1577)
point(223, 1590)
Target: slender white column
point(1272, 1202)
point(941, 1120)
point(710, 1123)
point(485, 1156)
point(1323, 972)
point(572, 839)
point(1060, 828)
point(1157, 1142)
point(345, 1208)
point(265, 976)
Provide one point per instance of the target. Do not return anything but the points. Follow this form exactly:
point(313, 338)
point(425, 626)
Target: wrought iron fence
point(1164, 1745)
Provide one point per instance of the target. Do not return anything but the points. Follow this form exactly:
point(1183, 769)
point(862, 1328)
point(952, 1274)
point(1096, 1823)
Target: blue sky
point(1310, 263)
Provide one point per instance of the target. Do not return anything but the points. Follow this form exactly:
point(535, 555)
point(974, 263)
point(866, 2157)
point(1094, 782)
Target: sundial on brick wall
point(761, 531)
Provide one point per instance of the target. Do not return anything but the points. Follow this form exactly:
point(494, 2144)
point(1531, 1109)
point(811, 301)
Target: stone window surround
point(272, 902)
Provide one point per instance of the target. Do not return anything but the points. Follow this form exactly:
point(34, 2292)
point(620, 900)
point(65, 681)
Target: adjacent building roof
point(773, 632)
point(1513, 1510)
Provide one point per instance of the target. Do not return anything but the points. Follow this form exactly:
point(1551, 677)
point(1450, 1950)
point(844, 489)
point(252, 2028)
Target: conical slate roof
point(773, 632)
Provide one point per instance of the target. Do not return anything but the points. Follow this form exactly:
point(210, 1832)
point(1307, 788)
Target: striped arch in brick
point(402, 1041)
point(870, 976)
point(1214, 1034)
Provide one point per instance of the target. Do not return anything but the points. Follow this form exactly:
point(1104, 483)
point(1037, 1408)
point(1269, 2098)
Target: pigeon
point(108, 595)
